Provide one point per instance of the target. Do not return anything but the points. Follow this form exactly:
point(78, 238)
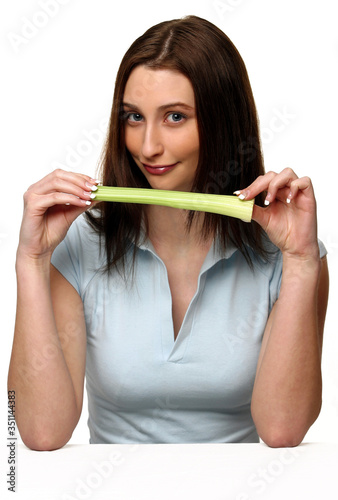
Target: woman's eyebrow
point(164, 106)
point(174, 104)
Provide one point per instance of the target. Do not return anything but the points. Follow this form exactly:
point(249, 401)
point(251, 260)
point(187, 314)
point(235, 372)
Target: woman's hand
point(289, 218)
point(50, 206)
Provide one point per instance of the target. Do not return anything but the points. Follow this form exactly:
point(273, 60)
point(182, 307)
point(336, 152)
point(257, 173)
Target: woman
point(190, 327)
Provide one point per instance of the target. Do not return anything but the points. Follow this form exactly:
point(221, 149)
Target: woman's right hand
point(50, 207)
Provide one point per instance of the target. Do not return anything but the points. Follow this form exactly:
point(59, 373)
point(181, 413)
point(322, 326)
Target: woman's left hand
point(289, 218)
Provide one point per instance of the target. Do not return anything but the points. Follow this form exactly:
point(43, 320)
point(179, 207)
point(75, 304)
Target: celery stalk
point(231, 206)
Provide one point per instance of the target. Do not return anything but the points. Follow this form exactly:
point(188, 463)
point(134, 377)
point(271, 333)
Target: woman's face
point(161, 130)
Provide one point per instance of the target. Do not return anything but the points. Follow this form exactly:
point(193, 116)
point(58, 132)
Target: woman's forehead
point(158, 84)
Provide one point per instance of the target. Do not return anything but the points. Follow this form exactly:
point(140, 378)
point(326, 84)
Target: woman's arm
point(48, 355)
point(286, 398)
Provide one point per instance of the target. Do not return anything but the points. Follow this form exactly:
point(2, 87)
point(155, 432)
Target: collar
point(214, 255)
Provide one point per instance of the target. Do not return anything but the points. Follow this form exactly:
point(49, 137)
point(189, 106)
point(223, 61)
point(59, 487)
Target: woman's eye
point(175, 117)
point(134, 117)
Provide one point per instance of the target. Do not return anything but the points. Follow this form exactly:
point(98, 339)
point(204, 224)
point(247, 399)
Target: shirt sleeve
point(80, 256)
point(276, 277)
point(66, 256)
point(322, 249)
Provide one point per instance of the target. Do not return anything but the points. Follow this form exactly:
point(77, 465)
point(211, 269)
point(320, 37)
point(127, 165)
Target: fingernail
point(92, 187)
point(236, 193)
point(93, 196)
point(267, 199)
point(288, 200)
point(242, 196)
point(88, 202)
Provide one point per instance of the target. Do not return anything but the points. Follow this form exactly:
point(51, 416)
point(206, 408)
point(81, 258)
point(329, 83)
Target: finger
point(271, 182)
point(63, 182)
point(279, 183)
point(280, 195)
point(303, 185)
point(257, 186)
point(38, 204)
point(71, 212)
point(57, 180)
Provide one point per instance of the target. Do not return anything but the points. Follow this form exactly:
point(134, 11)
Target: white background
point(58, 72)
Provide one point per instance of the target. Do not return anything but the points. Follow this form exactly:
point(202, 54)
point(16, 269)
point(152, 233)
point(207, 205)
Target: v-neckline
point(174, 350)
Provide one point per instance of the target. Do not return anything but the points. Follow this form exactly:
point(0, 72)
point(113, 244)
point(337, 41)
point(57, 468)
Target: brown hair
point(230, 153)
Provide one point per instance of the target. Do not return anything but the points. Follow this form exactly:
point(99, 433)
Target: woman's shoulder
point(272, 262)
point(82, 234)
point(80, 255)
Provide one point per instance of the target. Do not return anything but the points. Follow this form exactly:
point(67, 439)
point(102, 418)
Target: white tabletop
point(175, 472)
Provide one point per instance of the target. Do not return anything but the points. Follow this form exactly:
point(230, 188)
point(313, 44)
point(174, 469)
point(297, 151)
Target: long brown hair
point(230, 152)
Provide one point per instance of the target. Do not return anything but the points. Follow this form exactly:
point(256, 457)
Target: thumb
point(261, 216)
point(73, 212)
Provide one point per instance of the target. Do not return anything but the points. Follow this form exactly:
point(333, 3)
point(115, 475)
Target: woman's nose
point(152, 142)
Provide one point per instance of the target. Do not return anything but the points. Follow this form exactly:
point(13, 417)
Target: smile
point(158, 169)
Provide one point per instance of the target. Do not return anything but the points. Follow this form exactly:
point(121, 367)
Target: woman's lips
point(158, 169)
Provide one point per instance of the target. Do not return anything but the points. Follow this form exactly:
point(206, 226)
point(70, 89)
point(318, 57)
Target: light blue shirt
point(145, 387)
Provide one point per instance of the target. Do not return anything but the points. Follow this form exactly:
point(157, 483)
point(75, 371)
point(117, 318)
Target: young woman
point(189, 327)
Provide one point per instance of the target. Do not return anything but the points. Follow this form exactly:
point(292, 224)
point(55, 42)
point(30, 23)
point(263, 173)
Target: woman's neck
point(168, 229)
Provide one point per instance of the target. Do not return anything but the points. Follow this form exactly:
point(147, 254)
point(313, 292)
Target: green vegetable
point(214, 203)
